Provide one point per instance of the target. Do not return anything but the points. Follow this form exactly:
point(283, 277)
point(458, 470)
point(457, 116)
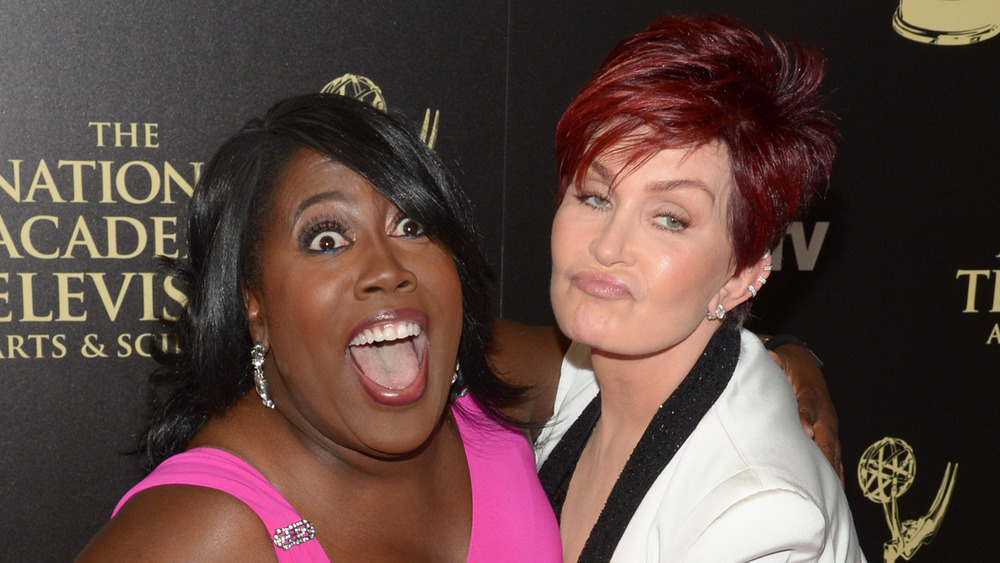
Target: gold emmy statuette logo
point(357, 87)
point(885, 472)
point(362, 88)
point(947, 22)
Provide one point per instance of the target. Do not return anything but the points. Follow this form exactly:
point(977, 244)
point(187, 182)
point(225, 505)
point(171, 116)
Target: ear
point(746, 283)
point(255, 317)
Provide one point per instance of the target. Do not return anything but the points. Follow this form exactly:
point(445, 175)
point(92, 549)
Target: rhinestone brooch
point(294, 534)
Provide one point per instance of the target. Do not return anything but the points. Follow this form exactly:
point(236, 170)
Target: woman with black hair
point(332, 397)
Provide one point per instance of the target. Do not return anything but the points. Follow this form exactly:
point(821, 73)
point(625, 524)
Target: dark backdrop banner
point(108, 110)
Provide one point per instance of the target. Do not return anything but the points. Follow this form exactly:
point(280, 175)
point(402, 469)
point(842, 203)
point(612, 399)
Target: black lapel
point(675, 420)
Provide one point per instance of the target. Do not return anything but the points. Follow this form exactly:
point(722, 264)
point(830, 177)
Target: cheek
point(560, 251)
point(692, 279)
point(451, 296)
point(446, 292)
point(567, 238)
point(303, 297)
point(440, 279)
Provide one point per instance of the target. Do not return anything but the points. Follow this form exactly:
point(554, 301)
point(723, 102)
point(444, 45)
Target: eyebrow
point(659, 185)
point(332, 195)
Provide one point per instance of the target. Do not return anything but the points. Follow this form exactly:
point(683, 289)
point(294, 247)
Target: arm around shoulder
point(181, 523)
point(816, 410)
point(529, 356)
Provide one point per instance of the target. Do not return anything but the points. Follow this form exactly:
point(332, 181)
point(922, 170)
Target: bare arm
point(181, 523)
point(529, 356)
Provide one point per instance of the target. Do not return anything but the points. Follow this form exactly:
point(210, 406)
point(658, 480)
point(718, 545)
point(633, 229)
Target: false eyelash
point(318, 226)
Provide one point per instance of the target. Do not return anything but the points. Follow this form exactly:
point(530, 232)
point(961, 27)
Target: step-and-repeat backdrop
point(109, 109)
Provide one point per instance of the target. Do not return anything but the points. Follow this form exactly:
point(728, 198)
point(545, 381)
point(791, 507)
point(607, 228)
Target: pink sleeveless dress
point(511, 518)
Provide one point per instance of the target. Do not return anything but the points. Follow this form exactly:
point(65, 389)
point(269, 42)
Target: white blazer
point(747, 485)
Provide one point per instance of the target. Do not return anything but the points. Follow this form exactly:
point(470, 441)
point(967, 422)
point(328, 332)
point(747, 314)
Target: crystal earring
point(458, 387)
point(257, 359)
point(720, 313)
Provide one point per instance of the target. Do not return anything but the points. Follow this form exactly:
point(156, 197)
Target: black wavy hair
point(228, 213)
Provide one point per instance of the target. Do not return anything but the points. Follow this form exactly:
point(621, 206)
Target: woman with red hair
point(682, 162)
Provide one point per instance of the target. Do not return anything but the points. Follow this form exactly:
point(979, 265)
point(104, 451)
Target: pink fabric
point(221, 470)
point(511, 518)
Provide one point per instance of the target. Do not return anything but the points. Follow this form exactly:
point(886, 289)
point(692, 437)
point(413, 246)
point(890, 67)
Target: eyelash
point(314, 230)
point(402, 219)
point(310, 233)
point(589, 199)
point(682, 224)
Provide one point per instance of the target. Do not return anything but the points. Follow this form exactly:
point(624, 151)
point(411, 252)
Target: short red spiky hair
point(686, 81)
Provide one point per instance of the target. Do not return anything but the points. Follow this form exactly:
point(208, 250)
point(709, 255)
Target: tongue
point(390, 364)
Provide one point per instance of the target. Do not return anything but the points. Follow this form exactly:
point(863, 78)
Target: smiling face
point(641, 256)
point(361, 313)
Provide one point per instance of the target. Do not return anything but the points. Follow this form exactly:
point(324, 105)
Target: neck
point(271, 442)
point(634, 387)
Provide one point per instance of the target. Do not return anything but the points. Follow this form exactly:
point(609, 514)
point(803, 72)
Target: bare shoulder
point(529, 356)
point(181, 523)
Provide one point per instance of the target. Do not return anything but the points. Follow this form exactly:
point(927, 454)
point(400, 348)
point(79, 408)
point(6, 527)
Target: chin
point(394, 434)
point(581, 325)
point(392, 447)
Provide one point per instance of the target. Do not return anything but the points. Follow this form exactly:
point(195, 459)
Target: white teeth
point(386, 333)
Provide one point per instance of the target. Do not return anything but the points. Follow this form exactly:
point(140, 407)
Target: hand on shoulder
point(816, 410)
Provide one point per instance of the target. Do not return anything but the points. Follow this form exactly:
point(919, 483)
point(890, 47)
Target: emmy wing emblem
point(885, 472)
point(947, 22)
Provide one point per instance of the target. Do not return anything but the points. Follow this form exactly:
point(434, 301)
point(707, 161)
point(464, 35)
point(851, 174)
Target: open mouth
point(389, 355)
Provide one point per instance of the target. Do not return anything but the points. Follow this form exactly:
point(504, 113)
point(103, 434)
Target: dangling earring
point(257, 359)
point(720, 313)
point(458, 387)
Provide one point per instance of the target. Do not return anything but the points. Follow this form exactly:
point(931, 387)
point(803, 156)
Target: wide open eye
point(324, 237)
point(326, 241)
point(409, 228)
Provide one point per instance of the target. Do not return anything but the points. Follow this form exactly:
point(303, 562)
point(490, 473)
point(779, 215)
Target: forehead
point(708, 165)
point(311, 180)
point(308, 171)
point(309, 176)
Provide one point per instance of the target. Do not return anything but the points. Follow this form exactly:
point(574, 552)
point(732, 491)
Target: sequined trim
point(294, 534)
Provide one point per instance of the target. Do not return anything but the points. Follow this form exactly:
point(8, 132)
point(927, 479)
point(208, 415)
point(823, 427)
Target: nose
point(611, 245)
point(382, 271)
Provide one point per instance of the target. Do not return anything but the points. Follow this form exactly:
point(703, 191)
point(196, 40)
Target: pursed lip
point(601, 285)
